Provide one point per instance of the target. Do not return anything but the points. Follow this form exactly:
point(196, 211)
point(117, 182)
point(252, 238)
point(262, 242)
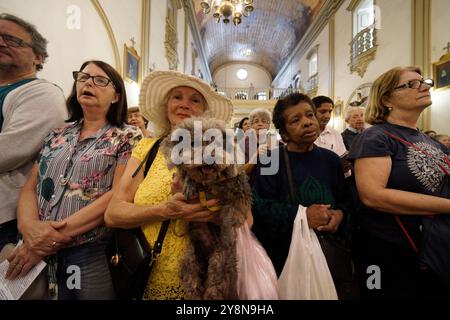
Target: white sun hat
point(158, 84)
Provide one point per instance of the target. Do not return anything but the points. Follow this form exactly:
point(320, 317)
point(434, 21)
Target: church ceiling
point(266, 38)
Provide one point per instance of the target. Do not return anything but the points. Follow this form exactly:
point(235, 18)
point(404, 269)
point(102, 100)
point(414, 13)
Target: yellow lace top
point(164, 282)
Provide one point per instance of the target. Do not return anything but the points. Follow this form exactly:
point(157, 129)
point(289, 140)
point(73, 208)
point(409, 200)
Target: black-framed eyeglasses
point(14, 42)
point(98, 80)
point(416, 83)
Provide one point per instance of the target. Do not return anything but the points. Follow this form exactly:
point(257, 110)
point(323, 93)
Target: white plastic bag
point(257, 279)
point(305, 274)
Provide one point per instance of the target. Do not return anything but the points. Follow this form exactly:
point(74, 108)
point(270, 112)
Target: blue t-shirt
point(412, 170)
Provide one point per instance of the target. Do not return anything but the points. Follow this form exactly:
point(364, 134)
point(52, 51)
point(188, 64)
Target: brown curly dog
point(209, 266)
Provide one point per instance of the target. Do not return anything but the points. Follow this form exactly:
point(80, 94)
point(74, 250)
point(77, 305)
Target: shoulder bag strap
point(289, 176)
point(149, 158)
point(148, 161)
point(157, 247)
point(397, 218)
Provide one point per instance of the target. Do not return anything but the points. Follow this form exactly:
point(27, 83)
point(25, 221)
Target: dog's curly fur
point(209, 268)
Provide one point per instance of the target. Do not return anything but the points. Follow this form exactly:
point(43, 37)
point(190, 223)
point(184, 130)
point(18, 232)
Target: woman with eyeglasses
point(61, 207)
point(402, 179)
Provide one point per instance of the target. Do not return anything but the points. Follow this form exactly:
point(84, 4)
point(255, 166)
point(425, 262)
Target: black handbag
point(129, 254)
point(336, 249)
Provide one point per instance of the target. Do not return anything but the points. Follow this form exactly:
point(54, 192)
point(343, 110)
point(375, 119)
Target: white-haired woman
point(260, 120)
point(167, 97)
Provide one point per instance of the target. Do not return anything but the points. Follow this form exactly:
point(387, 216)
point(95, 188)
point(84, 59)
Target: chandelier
point(228, 9)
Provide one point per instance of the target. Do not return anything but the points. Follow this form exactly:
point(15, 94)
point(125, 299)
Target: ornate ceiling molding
point(189, 11)
point(329, 9)
point(353, 5)
point(421, 46)
point(145, 36)
point(98, 7)
point(171, 45)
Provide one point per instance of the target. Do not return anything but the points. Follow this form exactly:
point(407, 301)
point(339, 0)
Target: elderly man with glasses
point(29, 109)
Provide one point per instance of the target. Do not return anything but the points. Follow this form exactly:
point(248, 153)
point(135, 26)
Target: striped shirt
point(73, 174)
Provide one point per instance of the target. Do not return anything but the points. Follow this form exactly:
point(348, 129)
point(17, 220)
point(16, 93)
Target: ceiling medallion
point(228, 9)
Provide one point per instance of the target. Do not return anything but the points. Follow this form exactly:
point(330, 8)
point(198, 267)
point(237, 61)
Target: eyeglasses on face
point(14, 42)
point(98, 80)
point(416, 83)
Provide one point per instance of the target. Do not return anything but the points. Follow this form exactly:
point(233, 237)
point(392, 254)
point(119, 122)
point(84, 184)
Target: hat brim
point(158, 84)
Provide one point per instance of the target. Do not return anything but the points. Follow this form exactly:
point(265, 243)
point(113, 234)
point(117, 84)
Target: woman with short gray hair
point(259, 121)
point(260, 115)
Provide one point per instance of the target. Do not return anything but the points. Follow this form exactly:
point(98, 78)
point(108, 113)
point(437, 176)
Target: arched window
point(363, 16)
point(242, 74)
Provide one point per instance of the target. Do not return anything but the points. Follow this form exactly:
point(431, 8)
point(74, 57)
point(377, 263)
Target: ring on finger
point(53, 244)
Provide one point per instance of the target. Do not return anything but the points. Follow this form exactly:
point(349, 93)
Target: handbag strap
point(149, 158)
point(157, 247)
point(445, 159)
point(397, 218)
point(410, 240)
point(148, 161)
point(289, 176)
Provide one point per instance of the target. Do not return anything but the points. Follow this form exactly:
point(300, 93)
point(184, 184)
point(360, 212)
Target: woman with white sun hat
point(166, 98)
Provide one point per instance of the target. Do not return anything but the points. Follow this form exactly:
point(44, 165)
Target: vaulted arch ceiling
point(266, 38)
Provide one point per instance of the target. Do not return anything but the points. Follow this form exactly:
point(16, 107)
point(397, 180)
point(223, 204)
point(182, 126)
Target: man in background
point(329, 138)
point(355, 120)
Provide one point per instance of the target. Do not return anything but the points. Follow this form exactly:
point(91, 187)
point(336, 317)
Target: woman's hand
point(177, 185)
point(44, 237)
point(177, 207)
point(336, 217)
point(263, 149)
point(21, 260)
point(318, 215)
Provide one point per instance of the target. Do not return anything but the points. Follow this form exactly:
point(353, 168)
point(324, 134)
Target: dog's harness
point(202, 194)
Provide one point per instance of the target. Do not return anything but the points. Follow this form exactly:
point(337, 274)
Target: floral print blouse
point(73, 174)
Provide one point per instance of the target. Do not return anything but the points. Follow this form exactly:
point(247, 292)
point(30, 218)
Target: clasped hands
point(322, 218)
point(41, 239)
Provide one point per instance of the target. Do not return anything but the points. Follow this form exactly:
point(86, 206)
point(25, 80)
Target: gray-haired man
point(29, 109)
point(355, 119)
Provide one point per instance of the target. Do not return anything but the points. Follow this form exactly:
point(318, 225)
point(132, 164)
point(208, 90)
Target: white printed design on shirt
point(424, 167)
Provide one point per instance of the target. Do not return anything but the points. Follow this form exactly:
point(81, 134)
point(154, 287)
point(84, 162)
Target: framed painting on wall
point(131, 67)
point(441, 73)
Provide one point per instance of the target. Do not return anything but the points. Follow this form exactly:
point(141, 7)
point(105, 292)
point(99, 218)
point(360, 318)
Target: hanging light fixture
point(228, 10)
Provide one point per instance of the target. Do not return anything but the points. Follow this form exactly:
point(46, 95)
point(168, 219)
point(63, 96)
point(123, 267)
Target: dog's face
point(206, 173)
point(200, 153)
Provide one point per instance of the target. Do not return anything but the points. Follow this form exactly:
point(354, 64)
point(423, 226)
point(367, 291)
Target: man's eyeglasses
point(14, 42)
point(98, 80)
point(415, 84)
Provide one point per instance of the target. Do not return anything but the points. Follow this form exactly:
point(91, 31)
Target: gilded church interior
point(233, 58)
point(319, 47)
